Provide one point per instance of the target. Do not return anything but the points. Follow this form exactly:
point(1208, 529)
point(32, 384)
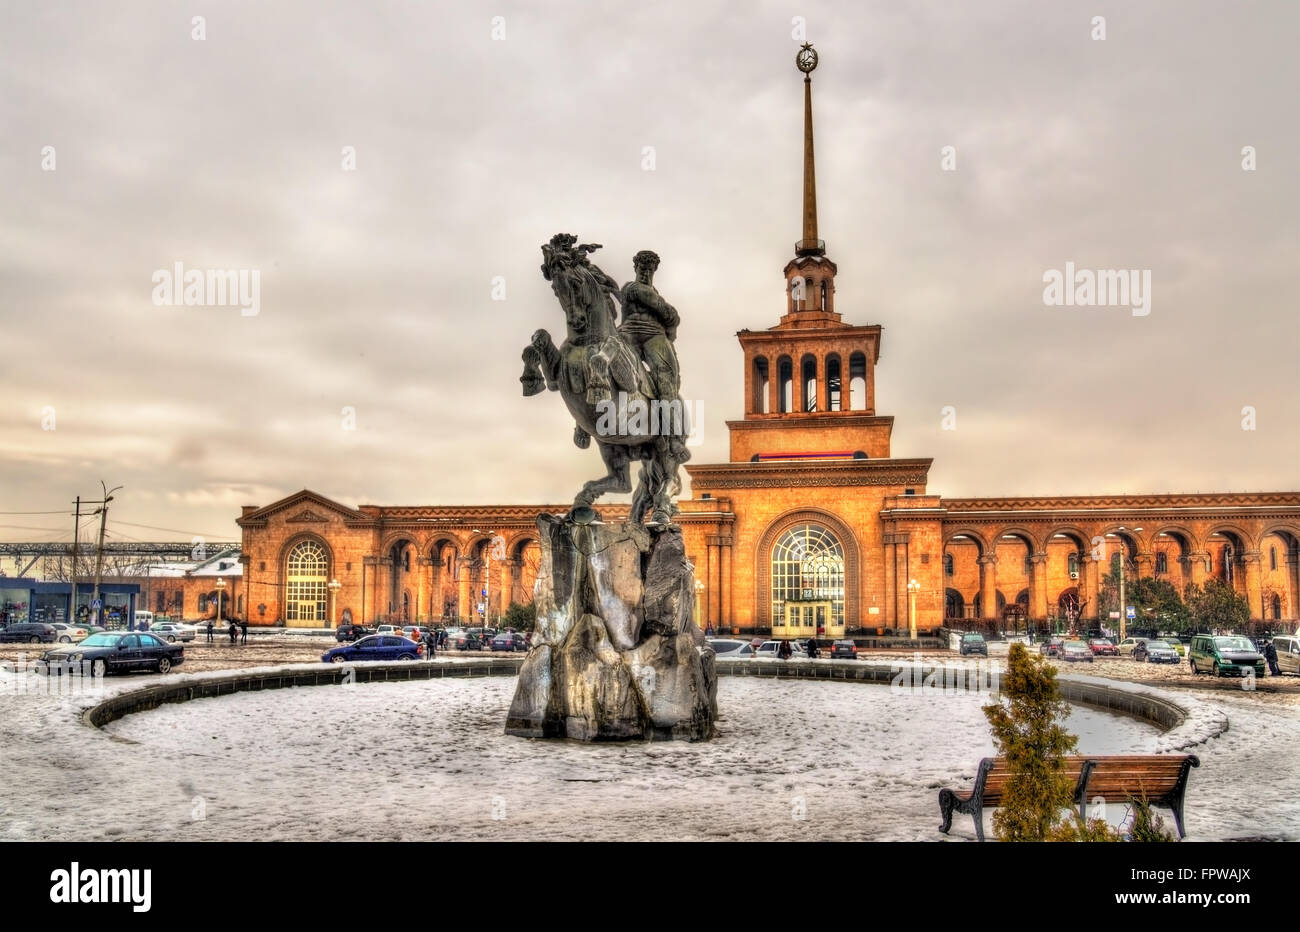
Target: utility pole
point(99, 553)
point(72, 598)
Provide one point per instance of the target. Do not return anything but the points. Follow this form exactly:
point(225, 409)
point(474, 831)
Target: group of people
point(785, 651)
point(238, 632)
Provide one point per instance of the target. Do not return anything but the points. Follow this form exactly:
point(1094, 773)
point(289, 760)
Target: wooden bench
point(1162, 778)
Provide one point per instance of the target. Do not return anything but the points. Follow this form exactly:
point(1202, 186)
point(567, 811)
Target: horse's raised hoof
point(532, 383)
point(583, 514)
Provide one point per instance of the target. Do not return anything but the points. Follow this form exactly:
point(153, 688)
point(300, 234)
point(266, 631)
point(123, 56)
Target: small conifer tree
point(1027, 732)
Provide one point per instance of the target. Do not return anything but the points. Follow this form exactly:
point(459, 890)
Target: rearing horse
point(603, 381)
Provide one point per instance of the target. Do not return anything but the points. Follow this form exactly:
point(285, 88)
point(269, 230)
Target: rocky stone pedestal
point(617, 655)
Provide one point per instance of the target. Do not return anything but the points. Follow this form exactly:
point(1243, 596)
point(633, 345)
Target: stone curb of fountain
point(1186, 723)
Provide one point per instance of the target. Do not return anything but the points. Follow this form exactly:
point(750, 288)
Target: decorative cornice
point(1094, 503)
point(913, 472)
point(805, 420)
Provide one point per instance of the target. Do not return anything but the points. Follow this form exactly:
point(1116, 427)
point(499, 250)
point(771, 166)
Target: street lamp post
point(221, 588)
point(334, 586)
point(699, 601)
point(913, 587)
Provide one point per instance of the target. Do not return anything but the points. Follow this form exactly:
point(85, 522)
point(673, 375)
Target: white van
point(143, 621)
point(1288, 654)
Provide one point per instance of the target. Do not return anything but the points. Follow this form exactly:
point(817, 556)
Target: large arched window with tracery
point(808, 566)
point(305, 583)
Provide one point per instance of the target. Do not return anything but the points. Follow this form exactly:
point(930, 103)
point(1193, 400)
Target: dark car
point(509, 640)
point(1052, 647)
point(465, 640)
point(113, 652)
point(844, 650)
point(30, 632)
point(375, 647)
point(973, 644)
point(352, 633)
point(1154, 651)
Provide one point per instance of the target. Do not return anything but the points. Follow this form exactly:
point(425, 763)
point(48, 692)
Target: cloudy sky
point(227, 152)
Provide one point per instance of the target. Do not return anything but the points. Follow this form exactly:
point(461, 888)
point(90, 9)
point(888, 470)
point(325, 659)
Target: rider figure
point(650, 325)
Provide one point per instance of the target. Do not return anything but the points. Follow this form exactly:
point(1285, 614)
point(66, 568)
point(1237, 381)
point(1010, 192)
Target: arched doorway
point(305, 591)
point(807, 591)
point(954, 606)
point(402, 563)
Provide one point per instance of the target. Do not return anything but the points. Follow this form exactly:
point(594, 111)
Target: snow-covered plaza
point(427, 760)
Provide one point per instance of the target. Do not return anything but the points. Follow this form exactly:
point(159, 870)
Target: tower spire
point(810, 245)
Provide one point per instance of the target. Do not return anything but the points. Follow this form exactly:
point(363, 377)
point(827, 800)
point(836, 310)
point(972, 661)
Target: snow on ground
point(428, 760)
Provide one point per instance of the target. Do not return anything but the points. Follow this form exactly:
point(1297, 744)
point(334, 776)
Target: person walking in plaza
point(431, 643)
point(234, 634)
point(210, 627)
point(243, 632)
point(1270, 654)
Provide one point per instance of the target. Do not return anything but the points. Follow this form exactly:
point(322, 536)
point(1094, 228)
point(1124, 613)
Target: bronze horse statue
point(607, 388)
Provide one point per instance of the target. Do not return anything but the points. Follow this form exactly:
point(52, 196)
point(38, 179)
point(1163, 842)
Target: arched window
point(1227, 564)
point(1162, 562)
point(785, 377)
point(1277, 608)
point(305, 590)
point(858, 382)
point(948, 568)
point(760, 403)
point(823, 305)
point(798, 293)
point(808, 566)
point(834, 397)
point(1272, 558)
point(809, 377)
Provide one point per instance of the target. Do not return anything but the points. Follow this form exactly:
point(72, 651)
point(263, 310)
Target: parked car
point(1288, 654)
point(174, 631)
point(113, 652)
point(972, 643)
point(1051, 647)
point(32, 632)
point(1225, 655)
point(1101, 647)
point(769, 650)
point(352, 633)
point(1155, 651)
point(731, 649)
point(66, 634)
point(464, 640)
point(1128, 645)
point(1076, 651)
point(844, 650)
point(375, 647)
point(394, 630)
point(509, 641)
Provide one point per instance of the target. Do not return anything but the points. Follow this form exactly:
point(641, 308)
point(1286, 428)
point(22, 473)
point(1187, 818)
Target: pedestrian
point(1270, 654)
point(210, 627)
point(784, 651)
point(243, 632)
point(234, 633)
point(431, 643)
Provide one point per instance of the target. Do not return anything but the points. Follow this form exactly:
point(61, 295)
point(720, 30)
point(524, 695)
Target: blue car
point(375, 647)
